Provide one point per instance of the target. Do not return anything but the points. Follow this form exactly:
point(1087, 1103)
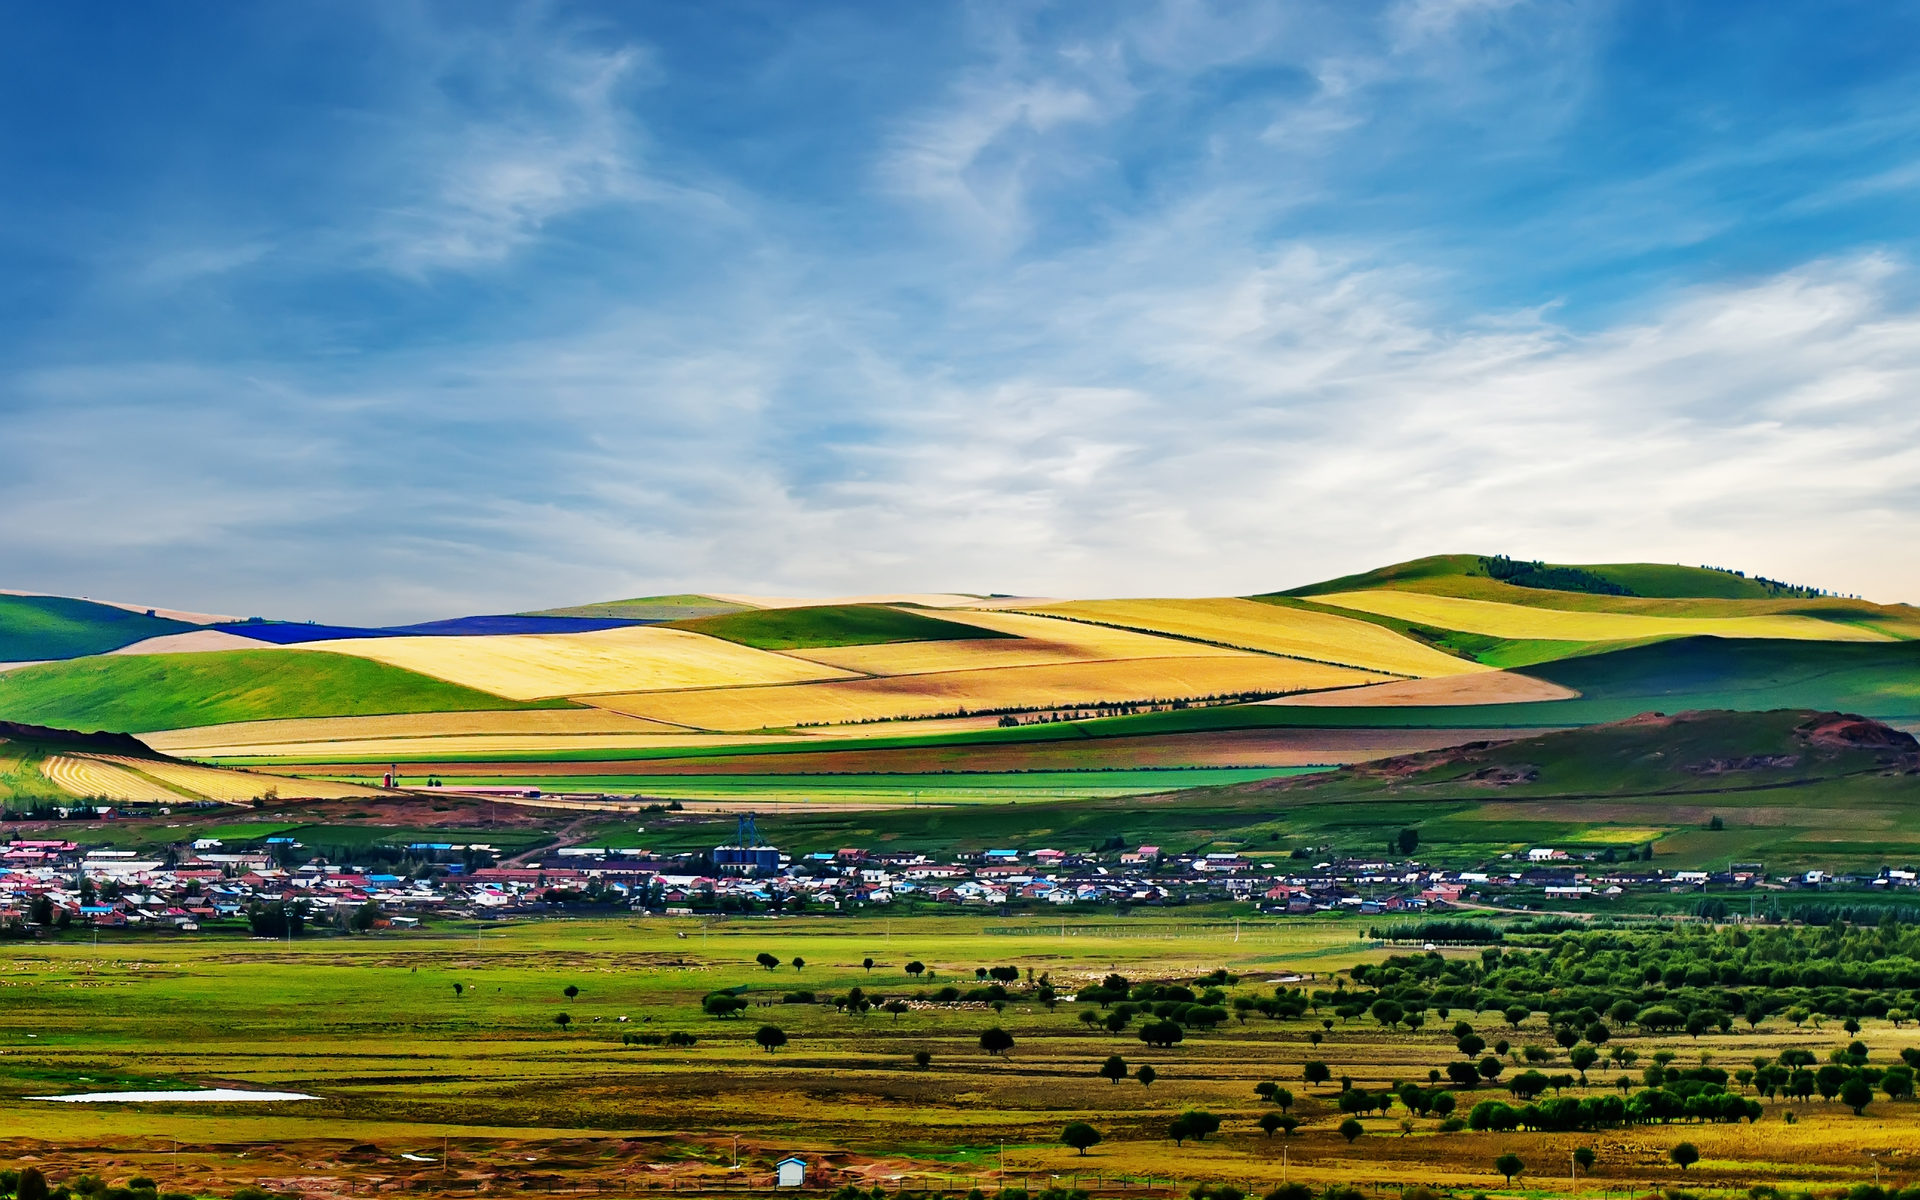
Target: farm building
point(792, 1172)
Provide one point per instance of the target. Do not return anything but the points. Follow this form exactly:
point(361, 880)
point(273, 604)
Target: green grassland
point(141, 693)
point(1655, 590)
point(488, 1078)
point(828, 625)
point(34, 628)
point(952, 787)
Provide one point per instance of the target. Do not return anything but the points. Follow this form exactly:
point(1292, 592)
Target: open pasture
point(535, 666)
point(1071, 684)
point(138, 693)
point(1494, 619)
point(1273, 629)
point(402, 1064)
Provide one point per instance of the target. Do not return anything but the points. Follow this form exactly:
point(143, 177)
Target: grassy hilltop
point(950, 696)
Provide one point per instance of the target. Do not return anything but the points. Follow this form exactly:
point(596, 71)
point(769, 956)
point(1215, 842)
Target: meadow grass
point(138, 693)
point(33, 628)
point(372, 1026)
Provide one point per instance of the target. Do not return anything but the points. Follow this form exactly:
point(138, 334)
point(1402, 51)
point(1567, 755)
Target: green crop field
point(830, 625)
point(139, 693)
point(424, 1088)
point(33, 628)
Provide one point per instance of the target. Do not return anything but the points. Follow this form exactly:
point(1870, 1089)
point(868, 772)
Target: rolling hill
point(1443, 647)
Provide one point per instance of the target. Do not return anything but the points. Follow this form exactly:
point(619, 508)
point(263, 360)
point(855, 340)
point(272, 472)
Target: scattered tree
point(1509, 1165)
point(996, 1041)
point(1080, 1135)
point(769, 1038)
point(1684, 1154)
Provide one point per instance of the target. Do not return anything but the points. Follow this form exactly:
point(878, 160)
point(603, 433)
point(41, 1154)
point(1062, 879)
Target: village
point(275, 887)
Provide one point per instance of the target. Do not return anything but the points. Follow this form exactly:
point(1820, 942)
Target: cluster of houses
point(63, 882)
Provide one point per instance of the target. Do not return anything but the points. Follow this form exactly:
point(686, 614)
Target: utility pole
point(1573, 1174)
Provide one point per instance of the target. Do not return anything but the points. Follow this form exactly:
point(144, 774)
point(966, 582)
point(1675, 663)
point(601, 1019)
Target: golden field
point(536, 666)
point(1274, 629)
point(1066, 685)
point(1494, 619)
point(239, 787)
point(90, 778)
point(526, 723)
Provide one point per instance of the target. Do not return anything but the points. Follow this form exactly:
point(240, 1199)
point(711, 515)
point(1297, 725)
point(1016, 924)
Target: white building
point(791, 1172)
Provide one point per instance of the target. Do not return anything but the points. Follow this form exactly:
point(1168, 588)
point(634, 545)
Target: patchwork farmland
point(1454, 646)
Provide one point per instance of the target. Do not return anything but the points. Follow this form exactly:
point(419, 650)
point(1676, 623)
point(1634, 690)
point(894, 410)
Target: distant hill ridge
point(1646, 580)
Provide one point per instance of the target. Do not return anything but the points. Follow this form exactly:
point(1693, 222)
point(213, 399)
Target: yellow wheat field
point(90, 778)
point(1092, 643)
point(539, 665)
point(484, 745)
point(1517, 621)
point(1008, 687)
point(527, 723)
point(1277, 630)
point(238, 787)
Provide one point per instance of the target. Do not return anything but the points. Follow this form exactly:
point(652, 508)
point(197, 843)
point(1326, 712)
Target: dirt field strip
point(538, 666)
point(194, 642)
point(485, 744)
point(1494, 619)
point(1273, 629)
point(1486, 687)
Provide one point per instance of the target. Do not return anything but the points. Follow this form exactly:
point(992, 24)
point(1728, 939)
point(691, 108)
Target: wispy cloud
point(1166, 297)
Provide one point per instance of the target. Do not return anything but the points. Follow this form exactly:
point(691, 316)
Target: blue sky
point(401, 310)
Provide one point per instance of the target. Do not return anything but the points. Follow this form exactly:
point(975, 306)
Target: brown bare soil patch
point(1485, 687)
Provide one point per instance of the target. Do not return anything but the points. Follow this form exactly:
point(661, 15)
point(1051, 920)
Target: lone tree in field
point(1583, 1157)
point(866, 964)
point(922, 1060)
point(766, 960)
point(1195, 1124)
point(570, 991)
point(769, 1038)
point(1080, 1135)
point(798, 962)
point(915, 967)
point(1684, 1154)
point(458, 989)
point(562, 1020)
point(1114, 1069)
point(1316, 1072)
point(1408, 841)
point(1146, 1074)
point(1269, 1122)
point(1351, 1129)
point(1509, 1165)
point(896, 1007)
point(996, 1041)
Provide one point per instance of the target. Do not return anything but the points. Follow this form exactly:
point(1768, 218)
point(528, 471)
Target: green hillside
point(142, 693)
point(1648, 589)
point(1792, 787)
point(647, 608)
point(35, 628)
point(826, 625)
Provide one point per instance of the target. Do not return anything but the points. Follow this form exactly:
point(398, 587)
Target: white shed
point(792, 1172)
